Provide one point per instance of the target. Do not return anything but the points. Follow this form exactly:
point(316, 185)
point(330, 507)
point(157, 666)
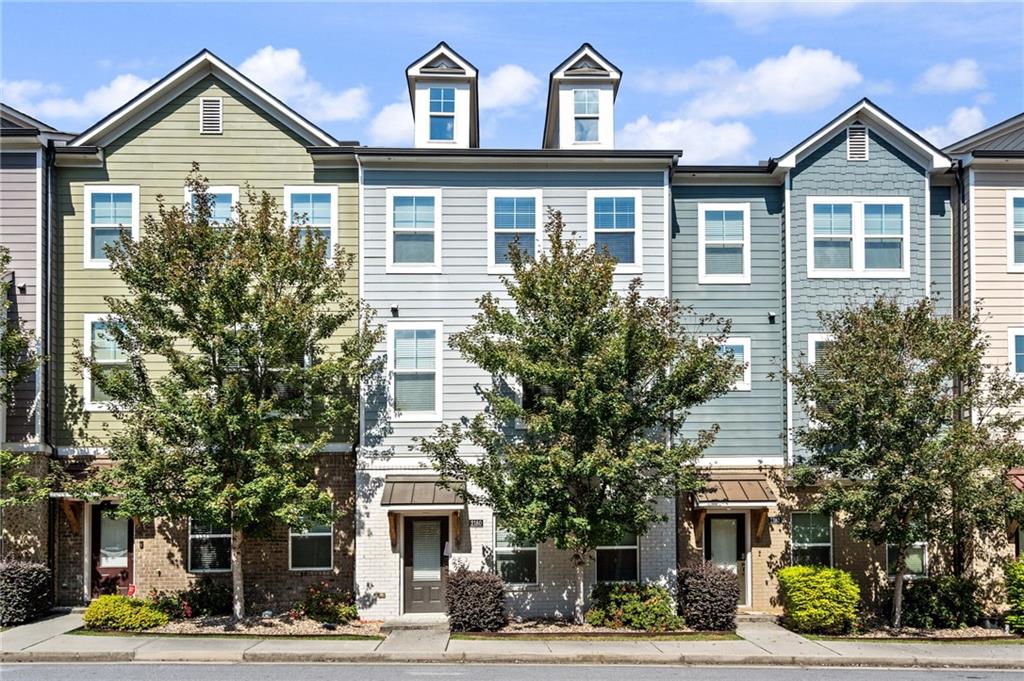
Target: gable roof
point(587, 63)
point(1006, 135)
point(441, 61)
point(192, 71)
point(874, 116)
point(23, 120)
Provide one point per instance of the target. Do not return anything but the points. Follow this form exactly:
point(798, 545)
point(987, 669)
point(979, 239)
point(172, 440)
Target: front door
point(425, 563)
point(725, 545)
point(112, 539)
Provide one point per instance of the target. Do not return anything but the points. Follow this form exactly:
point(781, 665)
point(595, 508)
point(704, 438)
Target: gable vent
point(856, 143)
point(211, 116)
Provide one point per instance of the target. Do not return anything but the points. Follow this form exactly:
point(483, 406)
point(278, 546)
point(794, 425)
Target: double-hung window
point(106, 354)
point(415, 363)
point(739, 350)
point(865, 237)
point(311, 548)
point(413, 230)
point(516, 561)
point(109, 209)
point(442, 114)
point(811, 539)
point(615, 226)
point(314, 208)
point(209, 547)
point(723, 243)
point(514, 218)
point(1015, 343)
point(916, 560)
point(586, 114)
point(1015, 230)
point(619, 562)
point(223, 202)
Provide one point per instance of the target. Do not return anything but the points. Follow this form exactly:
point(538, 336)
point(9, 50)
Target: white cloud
point(757, 15)
point(508, 86)
point(702, 141)
point(392, 126)
point(42, 100)
point(960, 76)
point(701, 75)
point(283, 74)
point(963, 122)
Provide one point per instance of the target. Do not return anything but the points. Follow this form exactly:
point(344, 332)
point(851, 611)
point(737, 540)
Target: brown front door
point(425, 563)
point(112, 559)
point(725, 545)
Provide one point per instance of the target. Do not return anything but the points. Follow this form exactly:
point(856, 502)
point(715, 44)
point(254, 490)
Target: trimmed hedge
point(818, 600)
point(24, 591)
point(708, 597)
point(122, 613)
point(1015, 595)
point(634, 606)
point(476, 600)
point(204, 598)
point(941, 603)
point(326, 603)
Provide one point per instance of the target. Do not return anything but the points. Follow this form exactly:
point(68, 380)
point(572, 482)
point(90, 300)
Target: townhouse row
point(861, 206)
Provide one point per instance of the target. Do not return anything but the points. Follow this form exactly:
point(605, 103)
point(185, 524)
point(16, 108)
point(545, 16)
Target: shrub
point(204, 598)
point(24, 591)
point(708, 597)
point(941, 603)
point(635, 606)
point(1015, 595)
point(818, 599)
point(476, 600)
point(326, 603)
point(122, 613)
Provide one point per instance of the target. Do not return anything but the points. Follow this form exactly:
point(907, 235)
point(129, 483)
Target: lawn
point(597, 638)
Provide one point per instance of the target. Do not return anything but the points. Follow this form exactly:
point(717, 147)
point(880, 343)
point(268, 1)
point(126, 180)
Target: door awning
point(735, 490)
point(1016, 476)
point(421, 491)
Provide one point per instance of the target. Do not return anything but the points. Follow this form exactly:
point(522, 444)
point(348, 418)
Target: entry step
point(431, 622)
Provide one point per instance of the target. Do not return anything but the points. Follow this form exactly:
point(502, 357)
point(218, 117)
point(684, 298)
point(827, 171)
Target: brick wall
point(23, 528)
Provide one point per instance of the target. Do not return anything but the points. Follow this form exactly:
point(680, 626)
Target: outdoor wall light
point(771, 317)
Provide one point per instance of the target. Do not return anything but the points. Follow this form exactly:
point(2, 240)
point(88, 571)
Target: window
point(856, 143)
point(211, 115)
point(916, 562)
point(413, 230)
point(811, 539)
point(614, 224)
point(415, 364)
point(739, 348)
point(585, 110)
point(723, 243)
point(314, 208)
point(619, 562)
point(442, 114)
point(858, 237)
point(513, 216)
point(223, 201)
point(1015, 231)
point(311, 548)
point(108, 356)
point(108, 210)
point(1015, 342)
point(516, 562)
point(209, 547)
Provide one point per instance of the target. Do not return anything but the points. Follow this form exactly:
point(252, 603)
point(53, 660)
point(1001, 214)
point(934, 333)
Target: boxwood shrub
point(122, 613)
point(1015, 595)
point(24, 591)
point(708, 597)
point(476, 600)
point(947, 602)
point(634, 606)
point(818, 600)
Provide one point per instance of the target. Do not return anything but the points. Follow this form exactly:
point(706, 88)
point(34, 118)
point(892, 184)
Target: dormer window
point(587, 112)
point(442, 114)
point(445, 106)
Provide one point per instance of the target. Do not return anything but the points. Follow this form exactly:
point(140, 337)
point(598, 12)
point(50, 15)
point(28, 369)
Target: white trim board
point(89, 261)
point(390, 267)
point(637, 266)
point(702, 276)
point(493, 267)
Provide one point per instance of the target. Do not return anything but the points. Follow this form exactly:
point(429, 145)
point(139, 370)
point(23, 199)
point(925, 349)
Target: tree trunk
point(897, 588)
point(237, 583)
point(579, 560)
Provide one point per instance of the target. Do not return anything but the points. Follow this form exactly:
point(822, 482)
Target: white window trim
point(537, 195)
point(858, 238)
point(536, 560)
point(595, 117)
point(390, 267)
point(907, 575)
point(223, 189)
point(812, 340)
point(446, 114)
point(635, 546)
point(332, 190)
point(702, 276)
point(188, 565)
point(1011, 335)
point(1011, 266)
point(417, 416)
point(637, 196)
point(306, 533)
point(88, 261)
point(831, 538)
point(744, 383)
point(90, 319)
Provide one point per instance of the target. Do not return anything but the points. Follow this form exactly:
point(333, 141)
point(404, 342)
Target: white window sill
point(853, 274)
point(522, 588)
point(629, 269)
point(96, 264)
point(209, 572)
point(730, 279)
point(311, 569)
point(499, 269)
point(412, 269)
point(98, 406)
point(416, 417)
point(1015, 268)
point(741, 388)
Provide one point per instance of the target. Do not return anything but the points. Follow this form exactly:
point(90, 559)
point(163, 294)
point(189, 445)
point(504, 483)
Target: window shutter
point(211, 116)
point(856, 143)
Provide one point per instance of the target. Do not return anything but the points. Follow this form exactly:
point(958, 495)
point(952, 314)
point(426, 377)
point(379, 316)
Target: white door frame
point(402, 515)
point(746, 547)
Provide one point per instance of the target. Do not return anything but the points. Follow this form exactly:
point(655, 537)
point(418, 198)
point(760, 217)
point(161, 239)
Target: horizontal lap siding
point(941, 222)
point(157, 155)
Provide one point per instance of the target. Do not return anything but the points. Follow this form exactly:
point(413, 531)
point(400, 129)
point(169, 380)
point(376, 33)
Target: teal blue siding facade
point(941, 270)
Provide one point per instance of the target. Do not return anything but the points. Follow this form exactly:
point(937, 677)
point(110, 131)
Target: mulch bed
point(276, 625)
point(912, 634)
point(556, 629)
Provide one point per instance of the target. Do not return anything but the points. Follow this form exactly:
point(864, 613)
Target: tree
point(890, 433)
point(235, 376)
point(582, 453)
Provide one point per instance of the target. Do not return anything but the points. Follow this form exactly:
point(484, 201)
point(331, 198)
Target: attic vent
point(211, 116)
point(856, 143)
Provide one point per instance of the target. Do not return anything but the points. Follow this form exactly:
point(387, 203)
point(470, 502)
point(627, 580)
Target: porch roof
point(736, 490)
point(421, 490)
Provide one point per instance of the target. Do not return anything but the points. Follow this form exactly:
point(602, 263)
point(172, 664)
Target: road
point(139, 671)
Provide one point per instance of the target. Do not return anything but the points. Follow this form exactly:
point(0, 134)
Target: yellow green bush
point(121, 613)
point(1015, 595)
point(818, 600)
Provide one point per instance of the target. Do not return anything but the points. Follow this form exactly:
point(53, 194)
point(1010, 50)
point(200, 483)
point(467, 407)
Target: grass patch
point(1003, 640)
point(82, 631)
point(597, 638)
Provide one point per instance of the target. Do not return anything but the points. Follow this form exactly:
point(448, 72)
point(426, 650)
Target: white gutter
point(789, 319)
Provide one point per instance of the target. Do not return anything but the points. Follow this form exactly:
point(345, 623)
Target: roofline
point(548, 123)
point(500, 153)
point(593, 49)
point(997, 153)
point(760, 169)
point(434, 49)
point(474, 91)
point(19, 132)
point(36, 123)
point(958, 147)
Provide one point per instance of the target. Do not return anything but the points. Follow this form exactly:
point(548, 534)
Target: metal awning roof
point(421, 490)
point(735, 490)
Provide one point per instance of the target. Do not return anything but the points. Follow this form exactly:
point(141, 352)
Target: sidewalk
point(760, 644)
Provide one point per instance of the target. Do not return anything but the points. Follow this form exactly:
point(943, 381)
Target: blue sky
point(725, 81)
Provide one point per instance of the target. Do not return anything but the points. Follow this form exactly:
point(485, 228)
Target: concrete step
point(747, 616)
point(426, 622)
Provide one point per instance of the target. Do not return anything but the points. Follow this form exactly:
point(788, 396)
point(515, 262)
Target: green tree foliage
point(584, 452)
point(236, 376)
point(910, 433)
